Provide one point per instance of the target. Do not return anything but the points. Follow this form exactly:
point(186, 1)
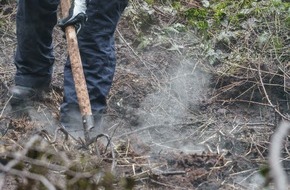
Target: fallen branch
point(276, 168)
point(26, 174)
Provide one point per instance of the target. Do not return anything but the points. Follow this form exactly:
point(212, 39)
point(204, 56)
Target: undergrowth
point(243, 44)
point(236, 40)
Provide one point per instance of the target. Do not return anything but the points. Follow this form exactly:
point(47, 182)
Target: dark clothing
point(34, 56)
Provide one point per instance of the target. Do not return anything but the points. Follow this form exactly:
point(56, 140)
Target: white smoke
point(169, 108)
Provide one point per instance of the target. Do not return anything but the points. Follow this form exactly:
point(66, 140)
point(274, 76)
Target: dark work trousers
point(34, 56)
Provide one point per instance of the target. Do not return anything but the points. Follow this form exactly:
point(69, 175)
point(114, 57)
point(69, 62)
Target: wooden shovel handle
point(76, 64)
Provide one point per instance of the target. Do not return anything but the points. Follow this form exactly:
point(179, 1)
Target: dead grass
point(230, 129)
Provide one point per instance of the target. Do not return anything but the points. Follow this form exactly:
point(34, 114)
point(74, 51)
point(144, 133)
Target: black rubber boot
point(72, 122)
point(22, 94)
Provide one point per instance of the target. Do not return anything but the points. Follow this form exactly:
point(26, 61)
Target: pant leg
point(34, 57)
point(96, 43)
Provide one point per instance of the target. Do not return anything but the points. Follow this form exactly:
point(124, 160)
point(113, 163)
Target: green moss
point(196, 13)
point(277, 42)
point(287, 22)
point(219, 15)
point(197, 17)
point(150, 2)
point(176, 5)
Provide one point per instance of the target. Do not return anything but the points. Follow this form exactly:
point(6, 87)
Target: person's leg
point(96, 44)
point(34, 57)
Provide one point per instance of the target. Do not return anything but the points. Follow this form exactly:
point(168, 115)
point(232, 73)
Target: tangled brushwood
point(251, 54)
point(167, 52)
point(39, 164)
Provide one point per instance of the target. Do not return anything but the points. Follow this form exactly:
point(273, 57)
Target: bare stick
point(276, 168)
point(5, 106)
point(33, 176)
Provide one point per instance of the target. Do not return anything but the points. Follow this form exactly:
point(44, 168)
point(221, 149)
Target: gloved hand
point(77, 15)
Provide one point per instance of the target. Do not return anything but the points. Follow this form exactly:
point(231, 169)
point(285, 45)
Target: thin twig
point(6, 103)
point(136, 55)
point(267, 96)
point(166, 185)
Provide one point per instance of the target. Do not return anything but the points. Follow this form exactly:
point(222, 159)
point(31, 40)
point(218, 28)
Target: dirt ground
point(162, 110)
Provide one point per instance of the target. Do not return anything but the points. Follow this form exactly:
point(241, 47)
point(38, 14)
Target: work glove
point(77, 15)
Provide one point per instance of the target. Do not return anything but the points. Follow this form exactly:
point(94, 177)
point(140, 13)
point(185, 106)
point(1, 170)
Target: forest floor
point(169, 128)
